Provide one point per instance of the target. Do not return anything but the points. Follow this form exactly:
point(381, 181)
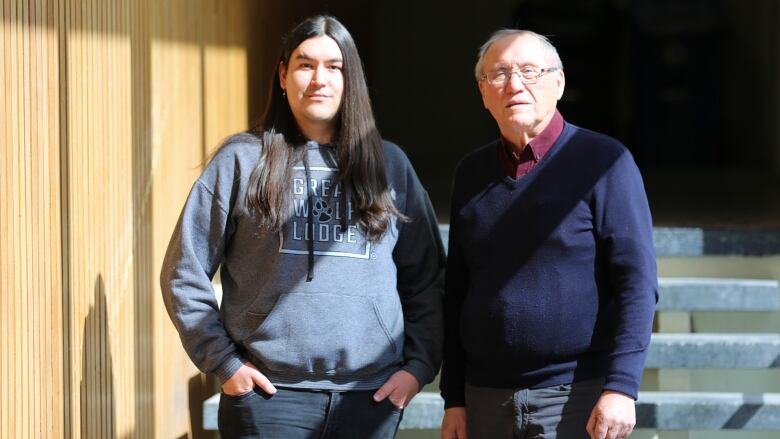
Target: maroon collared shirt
point(519, 164)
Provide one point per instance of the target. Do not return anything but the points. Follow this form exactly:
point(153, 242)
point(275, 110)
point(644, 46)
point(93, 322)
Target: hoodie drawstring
point(310, 224)
point(343, 207)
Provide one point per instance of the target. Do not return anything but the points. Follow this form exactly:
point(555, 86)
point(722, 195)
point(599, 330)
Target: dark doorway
point(690, 86)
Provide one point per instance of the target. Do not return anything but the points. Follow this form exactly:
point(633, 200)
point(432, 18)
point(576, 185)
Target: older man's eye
point(499, 75)
point(529, 72)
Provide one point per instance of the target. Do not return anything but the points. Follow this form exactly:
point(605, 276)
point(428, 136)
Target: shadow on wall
point(98, 417)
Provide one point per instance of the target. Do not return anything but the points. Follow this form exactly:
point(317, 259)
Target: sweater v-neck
point(516, 183)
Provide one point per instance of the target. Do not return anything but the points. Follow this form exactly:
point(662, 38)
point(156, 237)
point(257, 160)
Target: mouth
point(317, 97)
point(516, 104)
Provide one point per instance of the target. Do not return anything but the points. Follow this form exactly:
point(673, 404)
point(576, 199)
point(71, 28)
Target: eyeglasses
point(527, 74)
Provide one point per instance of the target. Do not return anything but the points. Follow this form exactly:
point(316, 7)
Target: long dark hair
point(359, 149)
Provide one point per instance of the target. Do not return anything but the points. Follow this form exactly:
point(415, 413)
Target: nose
point(318, 77)
point(515, 82)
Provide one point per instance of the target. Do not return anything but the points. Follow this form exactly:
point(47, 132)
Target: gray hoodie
point(371, 308)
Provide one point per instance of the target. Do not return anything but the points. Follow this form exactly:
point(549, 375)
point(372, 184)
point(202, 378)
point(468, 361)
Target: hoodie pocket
point(326, 334)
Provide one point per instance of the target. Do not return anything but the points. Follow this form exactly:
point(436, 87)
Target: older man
point(551, 278)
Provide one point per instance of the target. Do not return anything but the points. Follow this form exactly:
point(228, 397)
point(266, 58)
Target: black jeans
point(306, 414)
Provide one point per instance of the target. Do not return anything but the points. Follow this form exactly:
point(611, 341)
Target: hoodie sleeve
point(193, 256)
point(419, 259)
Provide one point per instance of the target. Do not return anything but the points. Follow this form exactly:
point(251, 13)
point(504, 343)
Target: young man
point(551, 276)
point(330, 260)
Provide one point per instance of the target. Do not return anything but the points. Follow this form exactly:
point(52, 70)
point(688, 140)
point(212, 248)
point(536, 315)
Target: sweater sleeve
point(193, 256)
point(624, 230)
point(453, 375)
point(419, 259)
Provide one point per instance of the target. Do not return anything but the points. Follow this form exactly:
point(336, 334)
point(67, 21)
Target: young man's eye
point(334, 67)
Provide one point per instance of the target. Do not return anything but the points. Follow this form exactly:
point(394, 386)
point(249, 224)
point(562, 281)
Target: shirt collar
point(539, 145)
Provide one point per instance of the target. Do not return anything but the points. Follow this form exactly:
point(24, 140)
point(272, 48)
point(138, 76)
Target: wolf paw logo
point(322, 211)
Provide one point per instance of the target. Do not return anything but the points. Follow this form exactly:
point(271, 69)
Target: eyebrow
point(305, 57)
point(502, 66)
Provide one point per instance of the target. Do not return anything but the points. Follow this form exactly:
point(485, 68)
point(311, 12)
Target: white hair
point(550, 52)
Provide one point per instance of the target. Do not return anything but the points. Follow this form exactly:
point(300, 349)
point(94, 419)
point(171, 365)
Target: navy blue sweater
point(550, 278)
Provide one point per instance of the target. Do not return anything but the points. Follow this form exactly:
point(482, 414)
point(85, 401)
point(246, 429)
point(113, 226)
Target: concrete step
point(708, 411)
point(659, 410)
point(717, 351)
point(708, 294)
point(424, 412)
point(210, 409)
point(683, 241)
point(691, 241)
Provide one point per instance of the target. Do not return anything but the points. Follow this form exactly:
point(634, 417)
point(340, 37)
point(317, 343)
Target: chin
point(321, 116)
point(521, 120)
point(523, 124)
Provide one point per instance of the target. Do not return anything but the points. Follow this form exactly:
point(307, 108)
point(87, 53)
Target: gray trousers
point(560, 412)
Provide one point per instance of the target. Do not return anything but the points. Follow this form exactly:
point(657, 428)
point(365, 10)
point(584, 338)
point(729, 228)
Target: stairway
point(668, 406)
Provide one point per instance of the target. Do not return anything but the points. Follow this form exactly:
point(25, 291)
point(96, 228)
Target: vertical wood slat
point(46, 357)
point(63, 54)
point(54, 284)
point(5, 267)
point(4, 129)
point(35, 186)
point(7, 250)
point(17, 203)
point(24, 74)
point(68, 56)
point(104, 103)
point(35, 334)
point(10, 259)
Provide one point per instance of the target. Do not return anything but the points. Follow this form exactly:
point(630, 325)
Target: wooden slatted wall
point(30, 225)
point(109, 109)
